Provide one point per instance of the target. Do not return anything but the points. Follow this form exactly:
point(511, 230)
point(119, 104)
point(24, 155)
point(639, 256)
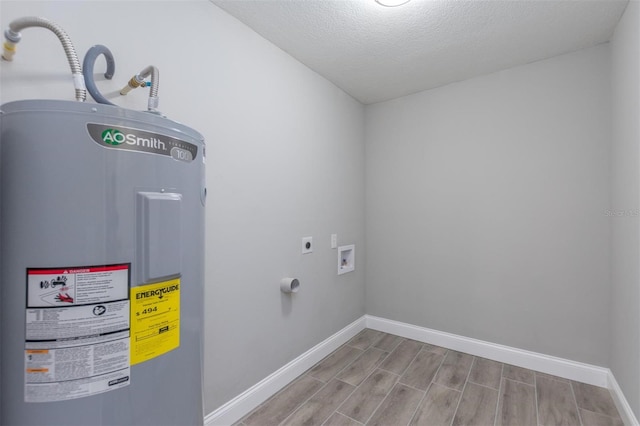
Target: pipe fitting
point(135, 82)
point(152, 103)
point(12, 36)
point(138, 80)
point(8, 50)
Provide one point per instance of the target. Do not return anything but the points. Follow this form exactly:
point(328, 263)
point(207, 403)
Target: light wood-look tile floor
point(382, 379)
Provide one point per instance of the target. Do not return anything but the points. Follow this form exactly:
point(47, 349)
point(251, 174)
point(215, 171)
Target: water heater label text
point(160, 292)
point(116, 137)
point(155, 320)
point(126, 138)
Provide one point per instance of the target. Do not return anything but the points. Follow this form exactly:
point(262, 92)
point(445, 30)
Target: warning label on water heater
point(77, 331)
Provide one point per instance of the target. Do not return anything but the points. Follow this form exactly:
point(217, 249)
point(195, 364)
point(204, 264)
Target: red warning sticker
point(77, 334)
point(48, 287)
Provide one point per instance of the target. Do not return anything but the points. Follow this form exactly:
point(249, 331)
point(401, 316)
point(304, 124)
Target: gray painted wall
point(285, 159)
point(486, 207)
point(486, 198)
point(625, 243)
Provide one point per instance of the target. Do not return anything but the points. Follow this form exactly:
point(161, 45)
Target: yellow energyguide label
point(155, 320)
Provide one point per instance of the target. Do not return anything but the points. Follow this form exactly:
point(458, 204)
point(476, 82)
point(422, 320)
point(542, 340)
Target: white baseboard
point(242, 404)
point(621, 402)
point(572, 370)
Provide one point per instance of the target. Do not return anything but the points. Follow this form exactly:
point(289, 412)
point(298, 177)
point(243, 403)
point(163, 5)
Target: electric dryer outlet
point(307, 245)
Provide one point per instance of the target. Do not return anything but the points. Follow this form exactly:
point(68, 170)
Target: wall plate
point(307, 245)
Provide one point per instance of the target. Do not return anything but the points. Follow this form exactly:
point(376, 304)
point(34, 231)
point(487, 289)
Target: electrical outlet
point(334, 241)
point(307, 245)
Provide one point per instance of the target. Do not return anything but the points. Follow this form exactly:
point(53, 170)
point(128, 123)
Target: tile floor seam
point(575, 400)
point(448, 387)
point(340, 371)
point(424, 395)
point(348, 341)
point(355, 388)
point(484, 386)
point(411, 387)
point(600, 414)
point(495, 419)
point(266, 401)
point(475, 358)
point(324, 423)
point(432, 351)
point(385, 397)
point(284, 388)
point(411, 362)
point(354, 347)
point(427, 390)
point(461, 394)
point(296, 409)
point(350, 418)
point(524, 383)
point(389, 371)
point(382, 336)
point(551, 377)
point(335, 376)
point(306, 373)
point(391, 349)
point(371, 345)
point(305, 401)
point(422, 399)
point(373, 369)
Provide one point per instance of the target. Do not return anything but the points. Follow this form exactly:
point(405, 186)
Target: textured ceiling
point(377, 53)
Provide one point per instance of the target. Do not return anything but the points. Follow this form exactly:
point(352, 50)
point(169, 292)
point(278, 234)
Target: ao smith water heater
point(102, 269)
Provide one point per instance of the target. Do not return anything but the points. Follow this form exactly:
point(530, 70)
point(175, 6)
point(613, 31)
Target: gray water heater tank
point(102, 266)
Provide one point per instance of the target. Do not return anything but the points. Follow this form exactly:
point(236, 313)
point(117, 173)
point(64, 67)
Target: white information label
point(77, 332)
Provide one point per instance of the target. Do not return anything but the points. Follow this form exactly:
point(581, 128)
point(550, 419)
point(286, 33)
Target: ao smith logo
point(116, 137)
point(159, 292)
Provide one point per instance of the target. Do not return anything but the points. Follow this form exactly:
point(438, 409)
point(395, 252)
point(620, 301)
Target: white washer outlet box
point(346, 259)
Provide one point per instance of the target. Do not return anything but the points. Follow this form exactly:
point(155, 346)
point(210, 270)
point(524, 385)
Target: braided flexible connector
point(13, 36)
point(152, 104)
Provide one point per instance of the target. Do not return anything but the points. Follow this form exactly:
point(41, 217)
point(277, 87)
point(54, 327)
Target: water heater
point(102, 266)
